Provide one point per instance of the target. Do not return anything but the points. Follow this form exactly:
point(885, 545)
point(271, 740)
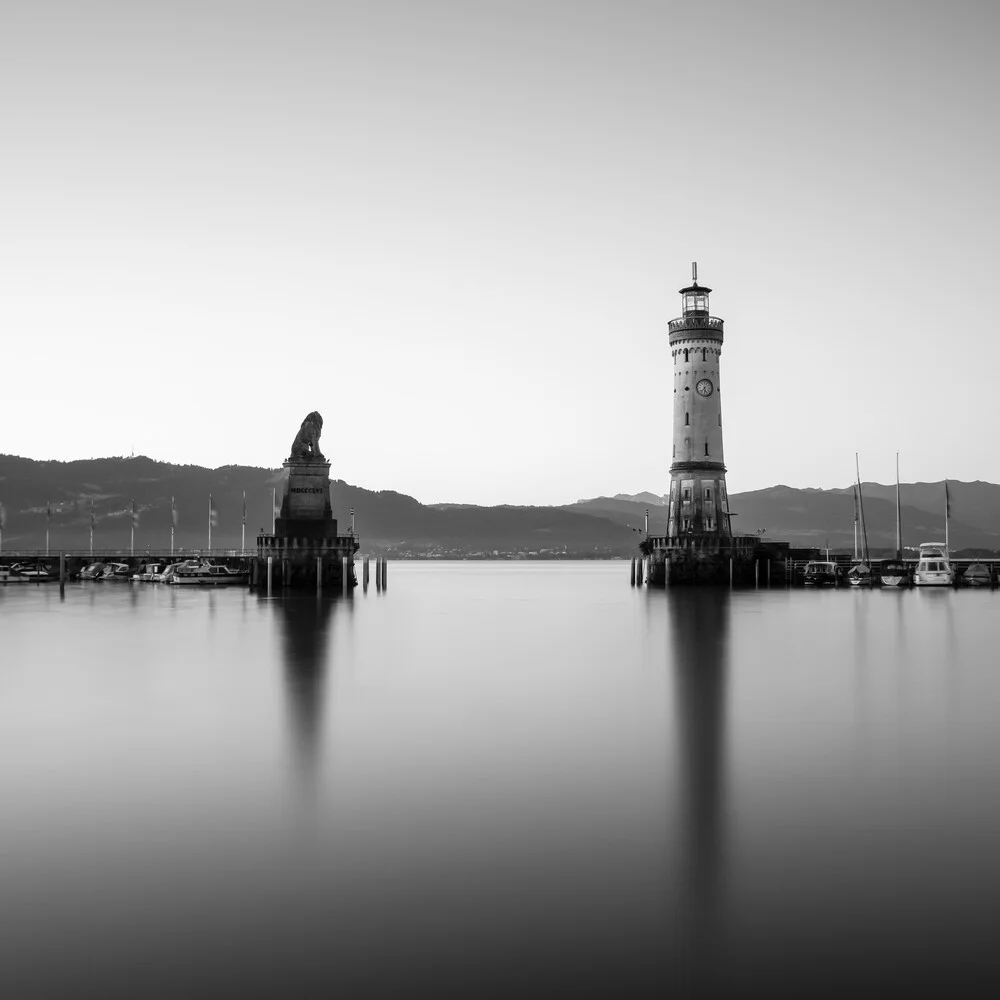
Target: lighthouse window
point(685, 354)
point(687, 419)
point(704, 354)
point(687, 494)
point(706, 447)
point(708, 494)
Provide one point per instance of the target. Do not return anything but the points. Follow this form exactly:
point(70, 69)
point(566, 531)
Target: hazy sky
point(458, 230)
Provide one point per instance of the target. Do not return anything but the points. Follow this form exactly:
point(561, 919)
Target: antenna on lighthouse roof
point(694, 271)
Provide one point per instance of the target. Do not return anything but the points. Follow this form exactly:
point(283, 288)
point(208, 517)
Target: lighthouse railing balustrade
point(696, 323)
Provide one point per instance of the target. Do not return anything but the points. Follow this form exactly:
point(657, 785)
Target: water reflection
point(305, 628)
point(699, 626)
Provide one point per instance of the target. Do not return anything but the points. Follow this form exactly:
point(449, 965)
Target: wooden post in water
point(319, 574)
point(378, 573)
point(768, 574)
point(62, 573)
point(270, 561)
point(730, 572)
point(344, 564)
point(756, 574)
point(639, 566)
point(364, 573)
point(631, 575)
point(385, 571)
point(284, 572)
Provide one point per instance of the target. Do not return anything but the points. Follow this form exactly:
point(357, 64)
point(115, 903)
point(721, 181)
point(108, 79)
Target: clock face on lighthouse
point(705, 387)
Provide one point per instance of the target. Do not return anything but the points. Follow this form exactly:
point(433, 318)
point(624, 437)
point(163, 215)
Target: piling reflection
point(305, 625)
point(699, 628)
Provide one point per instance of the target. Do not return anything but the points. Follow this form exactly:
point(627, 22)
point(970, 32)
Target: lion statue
point(306, 443)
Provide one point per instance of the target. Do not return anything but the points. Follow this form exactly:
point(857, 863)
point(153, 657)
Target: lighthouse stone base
point(702, 559)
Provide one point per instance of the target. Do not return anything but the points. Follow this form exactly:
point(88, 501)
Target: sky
point(458, 230)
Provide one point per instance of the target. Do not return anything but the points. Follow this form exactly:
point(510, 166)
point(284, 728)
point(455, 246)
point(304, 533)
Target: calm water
point(496, 779)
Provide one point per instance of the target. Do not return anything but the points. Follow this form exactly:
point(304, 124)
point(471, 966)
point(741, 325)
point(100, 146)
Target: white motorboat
point(933, 567)
point(147, 573)
point(33, 572)
point(117, 571)
point(8, 574)
point(207, 574)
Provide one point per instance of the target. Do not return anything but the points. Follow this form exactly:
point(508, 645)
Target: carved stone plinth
point(305, 503)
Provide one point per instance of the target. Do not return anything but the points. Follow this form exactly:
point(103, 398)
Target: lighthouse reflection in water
point(498, 779)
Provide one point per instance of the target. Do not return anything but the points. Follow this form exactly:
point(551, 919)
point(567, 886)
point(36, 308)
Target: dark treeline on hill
point(394, 522)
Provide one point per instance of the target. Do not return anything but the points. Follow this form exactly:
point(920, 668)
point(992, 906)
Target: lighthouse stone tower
point(699, 505)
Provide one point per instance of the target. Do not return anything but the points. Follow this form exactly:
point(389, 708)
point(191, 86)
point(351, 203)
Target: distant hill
point(815, 518)
point(393, 522)
point(385, 520)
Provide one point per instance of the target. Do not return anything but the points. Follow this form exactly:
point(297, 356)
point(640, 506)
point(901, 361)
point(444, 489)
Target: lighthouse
point(699, 505)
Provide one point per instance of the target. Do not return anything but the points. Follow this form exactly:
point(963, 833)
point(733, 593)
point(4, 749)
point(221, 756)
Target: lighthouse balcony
point(696, 322)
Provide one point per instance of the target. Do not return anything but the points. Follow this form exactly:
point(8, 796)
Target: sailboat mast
point(861, 505)
point(855, 491)
point(947, 511)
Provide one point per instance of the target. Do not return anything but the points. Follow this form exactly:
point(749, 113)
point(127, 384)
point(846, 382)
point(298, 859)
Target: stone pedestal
point(305, 550)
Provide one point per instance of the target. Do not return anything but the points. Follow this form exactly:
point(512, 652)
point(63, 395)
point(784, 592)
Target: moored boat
point(821, 574)
point(147, 572)
point(933, 566)
point(860, 575)
point(207, 574)
point(93, 571)
point(118, 572)
point(895, 573)
point(977, 575)
point(34, 572)
point(9, 574)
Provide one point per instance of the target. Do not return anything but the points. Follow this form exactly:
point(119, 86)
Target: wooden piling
point(756, 573)
point(631, 576)
point(768, 574)
point(319, 574)
point(364, 573)
point(344, 566)
point(378, 573)
point(270, 561)
point(385, 571)
point(730, 572)
point(639, 567)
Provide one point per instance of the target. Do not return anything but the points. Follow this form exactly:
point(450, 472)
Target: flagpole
point(48, 517)
point(173, 521)
point(899, 526)
point(243, 537)
point(274, 500)
point(209, 523)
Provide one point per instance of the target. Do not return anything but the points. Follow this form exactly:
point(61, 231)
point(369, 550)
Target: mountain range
point(392, 522)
